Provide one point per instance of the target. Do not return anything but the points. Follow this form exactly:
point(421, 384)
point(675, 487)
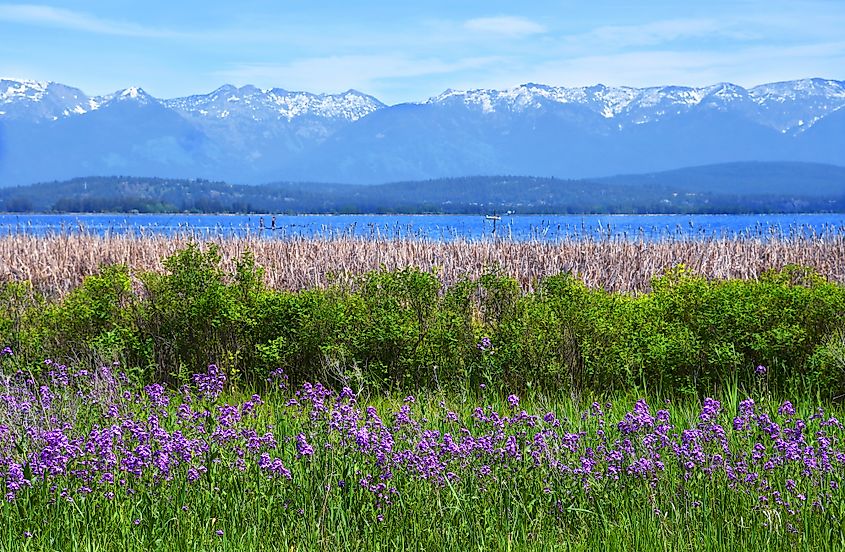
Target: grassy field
point(58, 263)
point(92, 461)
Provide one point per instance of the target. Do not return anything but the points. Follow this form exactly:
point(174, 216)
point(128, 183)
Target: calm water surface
point(435, 227)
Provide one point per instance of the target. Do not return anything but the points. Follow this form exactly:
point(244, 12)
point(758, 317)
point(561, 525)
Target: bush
point(403, 329)
point(194, 315)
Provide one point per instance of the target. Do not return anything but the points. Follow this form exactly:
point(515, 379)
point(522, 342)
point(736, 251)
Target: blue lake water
point(435, 227)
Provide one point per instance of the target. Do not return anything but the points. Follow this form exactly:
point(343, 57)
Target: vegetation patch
point(406, 330)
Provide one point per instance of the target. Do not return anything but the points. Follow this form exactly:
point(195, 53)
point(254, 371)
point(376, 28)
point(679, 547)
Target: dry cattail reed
point(57, 263)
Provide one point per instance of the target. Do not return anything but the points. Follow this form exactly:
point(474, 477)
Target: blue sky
point(407, 51)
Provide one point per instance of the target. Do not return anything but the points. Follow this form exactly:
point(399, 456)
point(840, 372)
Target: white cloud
point(663, 31)
point(505, 26)
point(49, 16)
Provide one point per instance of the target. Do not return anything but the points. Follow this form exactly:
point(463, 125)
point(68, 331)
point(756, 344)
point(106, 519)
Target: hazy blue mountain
point(50, 131)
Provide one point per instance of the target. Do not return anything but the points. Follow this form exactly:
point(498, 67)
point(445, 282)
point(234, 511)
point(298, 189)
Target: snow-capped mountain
point(50, 101)
point(798, 104)
point(274, 105)
point(53, 131)
point(134, 94)
point(792, 105)
point(37, 101)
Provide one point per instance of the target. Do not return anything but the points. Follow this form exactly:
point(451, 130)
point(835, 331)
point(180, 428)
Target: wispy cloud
point(727, 31)
point(48, 16)
point(505, 26)
point(665, 31)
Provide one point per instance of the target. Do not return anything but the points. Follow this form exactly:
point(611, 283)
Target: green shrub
point(93, 322)
point(194, 315)
point(403, 329)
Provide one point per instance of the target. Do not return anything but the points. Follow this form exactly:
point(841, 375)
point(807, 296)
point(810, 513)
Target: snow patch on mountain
point(40, 100)
point(606, 101)
point(262, 105)
point(784, 104)
point(134, 94)
point(11, 89)
point(777, 105)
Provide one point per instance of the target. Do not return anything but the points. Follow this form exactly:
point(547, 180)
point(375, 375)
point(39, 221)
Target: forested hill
point(724, 188)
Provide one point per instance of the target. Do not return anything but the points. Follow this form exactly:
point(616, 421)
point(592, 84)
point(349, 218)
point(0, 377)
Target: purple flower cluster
point(211, 382)
point(152, 434)
point(752, 454)
point(157, 436)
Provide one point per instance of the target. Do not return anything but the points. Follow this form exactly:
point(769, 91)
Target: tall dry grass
point(57, 263)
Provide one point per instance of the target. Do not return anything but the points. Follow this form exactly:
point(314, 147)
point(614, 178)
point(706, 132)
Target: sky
point(401, 51)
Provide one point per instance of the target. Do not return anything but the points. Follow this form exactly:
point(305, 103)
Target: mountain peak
point(225, 89)
point(770, 105)
point(134, 93)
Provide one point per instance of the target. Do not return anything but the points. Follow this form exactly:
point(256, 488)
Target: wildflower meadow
point(91, 460)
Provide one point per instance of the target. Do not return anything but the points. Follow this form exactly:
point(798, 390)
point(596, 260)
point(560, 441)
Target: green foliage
point(403, 330)
point(192, 315)
point(97, 314)
point(21, 328)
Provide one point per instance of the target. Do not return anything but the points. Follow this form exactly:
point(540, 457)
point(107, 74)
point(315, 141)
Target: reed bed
point(57, 263)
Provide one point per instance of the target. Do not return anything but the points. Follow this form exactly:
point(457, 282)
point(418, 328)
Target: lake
point(435, 227)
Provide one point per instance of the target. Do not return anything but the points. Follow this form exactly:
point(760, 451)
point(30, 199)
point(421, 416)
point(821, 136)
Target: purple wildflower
point(211, 382)
point(710, 411)
point(302, 446)
point(278, 377)
point(786, 409)
point(484, 345)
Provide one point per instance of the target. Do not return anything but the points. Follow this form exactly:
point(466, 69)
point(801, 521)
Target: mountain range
point(50, 131)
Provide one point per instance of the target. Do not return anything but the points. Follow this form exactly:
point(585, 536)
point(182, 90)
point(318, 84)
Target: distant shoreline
point(731, 188)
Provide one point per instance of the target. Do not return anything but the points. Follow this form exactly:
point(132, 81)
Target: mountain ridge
point(51, 131)
point(612, 100)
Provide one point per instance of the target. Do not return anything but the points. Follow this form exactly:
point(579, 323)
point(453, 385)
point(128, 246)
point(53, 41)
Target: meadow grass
point(92, 461)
